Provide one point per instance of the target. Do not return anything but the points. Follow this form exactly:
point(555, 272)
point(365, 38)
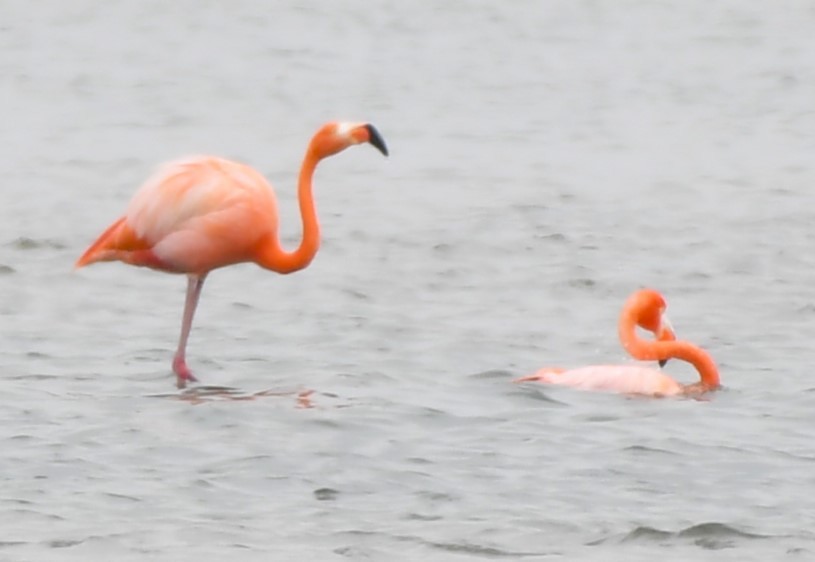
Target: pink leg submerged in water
point(183, 374)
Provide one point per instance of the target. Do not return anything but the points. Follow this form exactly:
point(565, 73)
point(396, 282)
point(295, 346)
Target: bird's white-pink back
point(189, 188)
point(197, 211)
point(626, 379)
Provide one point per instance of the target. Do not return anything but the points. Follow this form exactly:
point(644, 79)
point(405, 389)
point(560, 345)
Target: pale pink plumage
point(625, 379)
point(203, 212)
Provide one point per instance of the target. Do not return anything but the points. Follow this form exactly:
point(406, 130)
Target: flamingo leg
point(182, 372)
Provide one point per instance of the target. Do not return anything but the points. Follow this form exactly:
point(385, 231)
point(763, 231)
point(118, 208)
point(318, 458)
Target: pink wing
point(626, 379)
point(203, 212)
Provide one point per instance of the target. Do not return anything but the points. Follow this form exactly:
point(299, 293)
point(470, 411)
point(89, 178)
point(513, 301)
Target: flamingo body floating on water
point(203, 213)
point(646, 309)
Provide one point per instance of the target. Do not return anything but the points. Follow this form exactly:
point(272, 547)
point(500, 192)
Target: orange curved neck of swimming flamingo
point(645, 350)
point(271, 254)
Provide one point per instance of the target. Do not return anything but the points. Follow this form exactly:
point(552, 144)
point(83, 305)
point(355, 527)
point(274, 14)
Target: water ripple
point(710, 536)
point(24, 243)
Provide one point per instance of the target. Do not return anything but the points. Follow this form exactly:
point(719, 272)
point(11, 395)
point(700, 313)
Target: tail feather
point(542, 375)
point(118, 239)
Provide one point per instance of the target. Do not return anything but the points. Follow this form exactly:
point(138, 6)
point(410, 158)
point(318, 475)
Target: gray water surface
point(547, 159)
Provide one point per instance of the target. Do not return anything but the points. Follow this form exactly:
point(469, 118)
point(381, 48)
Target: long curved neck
point(645, 350)
point(272, 255)
point(696, 356)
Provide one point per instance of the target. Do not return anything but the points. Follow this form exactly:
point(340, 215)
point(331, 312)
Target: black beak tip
point(662, 362)
point(376, 139)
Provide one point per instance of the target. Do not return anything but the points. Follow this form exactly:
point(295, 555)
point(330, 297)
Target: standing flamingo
point(202, 213)
point(646, 309)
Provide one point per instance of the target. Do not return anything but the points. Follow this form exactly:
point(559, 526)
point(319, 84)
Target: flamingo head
point(336, 136)
point(649, 309)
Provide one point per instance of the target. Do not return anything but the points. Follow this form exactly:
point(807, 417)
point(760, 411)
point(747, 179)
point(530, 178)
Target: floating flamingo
point(646, 309)
point(202, 213)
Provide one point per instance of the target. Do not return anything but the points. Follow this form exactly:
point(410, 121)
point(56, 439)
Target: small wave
point(436, 497)
point(796, 456)
point(22, 512)
point(553, 237)
point(697, 275)
point(477, 550)
point(422, 517)
point(443, 248)
point(326, 494)
point(25, 243)
point(717, 530)
point(646, 534)
point(356, 294)
point(63, 543)
point(6, 269)
point(492, 374)
point(538, 394)
point(468, 548)
point(125, 497)
point(35, 377)
point(22, 437)
point(69, 543)
point(211, 393)
point(583, 283)
point(601, 418)
point(710, 536)
point(642, 449)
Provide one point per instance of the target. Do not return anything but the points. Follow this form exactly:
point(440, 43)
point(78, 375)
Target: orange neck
point(271, 254)
point(645, 350)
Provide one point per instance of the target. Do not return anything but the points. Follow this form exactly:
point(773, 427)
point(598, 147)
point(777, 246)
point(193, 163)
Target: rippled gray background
point(547, 159)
